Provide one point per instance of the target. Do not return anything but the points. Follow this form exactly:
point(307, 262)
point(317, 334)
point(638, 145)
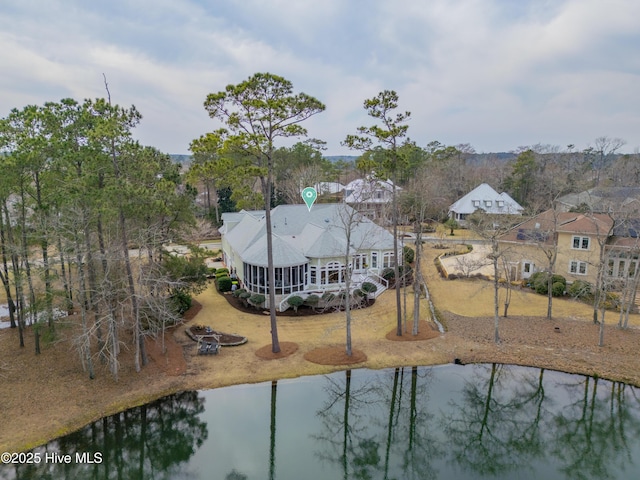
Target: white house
point(483, 197)
point(309, 249)
point(328, 188)
point(370, 197)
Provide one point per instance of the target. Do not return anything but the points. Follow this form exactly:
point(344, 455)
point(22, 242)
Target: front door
point(527, 269)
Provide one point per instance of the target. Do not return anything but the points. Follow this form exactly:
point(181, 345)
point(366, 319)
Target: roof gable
point(484, 197)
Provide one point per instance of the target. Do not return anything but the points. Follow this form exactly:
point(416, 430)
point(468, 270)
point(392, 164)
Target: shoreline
point(441, 350)
point(47, 396)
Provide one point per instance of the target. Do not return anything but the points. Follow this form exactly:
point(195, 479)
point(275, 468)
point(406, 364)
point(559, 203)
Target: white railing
point(379, 279)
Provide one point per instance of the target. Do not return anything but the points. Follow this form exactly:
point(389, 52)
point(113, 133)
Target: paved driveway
point(472, 263)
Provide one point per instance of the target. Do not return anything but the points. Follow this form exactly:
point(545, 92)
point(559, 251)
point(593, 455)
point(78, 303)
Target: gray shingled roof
point(484, 193)
point(299, 234)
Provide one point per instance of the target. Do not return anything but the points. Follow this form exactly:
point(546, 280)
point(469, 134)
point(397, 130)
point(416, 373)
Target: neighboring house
point(577, 238)
point(485, 198)
point(309, 249)
point(329, 188)
point(602, 199)
point(371, 197)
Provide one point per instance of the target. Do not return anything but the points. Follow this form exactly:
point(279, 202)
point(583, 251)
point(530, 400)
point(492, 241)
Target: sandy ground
point(45, 396)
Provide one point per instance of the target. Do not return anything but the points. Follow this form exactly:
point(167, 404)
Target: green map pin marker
point(309, 196)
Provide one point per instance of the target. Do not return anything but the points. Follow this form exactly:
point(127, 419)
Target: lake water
point(444, 422)
point(4, 312)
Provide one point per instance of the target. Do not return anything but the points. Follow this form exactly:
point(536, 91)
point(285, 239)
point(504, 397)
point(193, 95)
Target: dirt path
point(46, 396)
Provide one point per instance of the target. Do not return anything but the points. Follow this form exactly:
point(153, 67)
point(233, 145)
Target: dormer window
point(500, 203)
point(488, 203)
point(476, 203)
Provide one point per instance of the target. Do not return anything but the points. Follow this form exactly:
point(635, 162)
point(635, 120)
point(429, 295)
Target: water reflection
point(154, 441)
point(471, 422)
point(493, 427)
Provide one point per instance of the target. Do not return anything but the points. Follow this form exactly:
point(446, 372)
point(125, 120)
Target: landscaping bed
point(201, 332)
point(303, 311)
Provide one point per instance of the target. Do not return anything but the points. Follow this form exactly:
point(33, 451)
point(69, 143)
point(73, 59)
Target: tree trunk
point(5, 268)
point(85, 341)
point(44, 246)
point(266, 186)
point(66, 283)
point(25, 259)
point(417, 286)
point(347, 284)
point(601, 332)
point(496, 314)
point(17, 279)
point(396, 267)
point(549, 294)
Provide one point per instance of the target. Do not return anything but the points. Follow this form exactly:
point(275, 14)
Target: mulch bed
point(286, 349)
point(224, 339)
point(303, 311)
point(426, 331)
point(193, 311)
point(335, 356)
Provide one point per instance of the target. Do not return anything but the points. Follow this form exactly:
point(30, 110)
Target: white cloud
point(495, 73)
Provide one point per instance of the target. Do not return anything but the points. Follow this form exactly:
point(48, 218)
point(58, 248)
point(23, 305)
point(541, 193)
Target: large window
point(622, 264)
point(581, 243)
point(333, 273)
point(329, 274)
point(388, 260)
point(287, 279)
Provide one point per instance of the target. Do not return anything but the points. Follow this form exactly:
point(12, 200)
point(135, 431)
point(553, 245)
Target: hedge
point(224, 284)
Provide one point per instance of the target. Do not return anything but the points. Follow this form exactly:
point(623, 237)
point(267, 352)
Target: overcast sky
point(497, 74)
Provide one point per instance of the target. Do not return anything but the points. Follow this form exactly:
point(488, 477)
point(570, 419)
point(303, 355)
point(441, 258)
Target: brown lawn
point(48, 395)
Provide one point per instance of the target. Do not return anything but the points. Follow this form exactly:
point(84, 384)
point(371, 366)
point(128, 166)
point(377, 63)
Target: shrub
point(257, 300)
point(359, 293)
point(557, 289)
point(579, 289)
point(541, 286)
point(405, 270)
point(451, 224)
point(540, 283)
point(312, 300)
point(224, 284)
point(222, 270)
point(535, 278)
point(406, 274)
point(328, 296)
point(368, 288)
point(181, 301)
point(245, 296)
point(238, 292)
point(295, 302)
point(388, 274)
point(559, 278)
point(409, 254)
